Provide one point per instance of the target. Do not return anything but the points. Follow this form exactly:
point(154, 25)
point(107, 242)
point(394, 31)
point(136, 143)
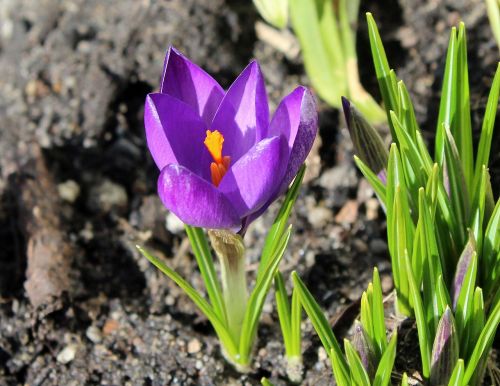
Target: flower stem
point(231, 253)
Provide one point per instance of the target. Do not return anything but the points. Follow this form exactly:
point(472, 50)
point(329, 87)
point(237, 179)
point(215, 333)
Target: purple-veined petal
point(175, 134)
point(297, 119)
point(187, 82)
point(251, 181)
point(243, 114)
point(194, 200)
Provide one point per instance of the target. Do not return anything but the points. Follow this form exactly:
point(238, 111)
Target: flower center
point(213, 142)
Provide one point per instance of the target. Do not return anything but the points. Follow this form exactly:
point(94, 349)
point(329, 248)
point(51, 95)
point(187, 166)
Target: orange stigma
point(213, 142)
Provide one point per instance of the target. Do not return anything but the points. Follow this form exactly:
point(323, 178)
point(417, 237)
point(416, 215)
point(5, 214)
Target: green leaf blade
point(447, 106)
point(201, 251)
point(323, 329)
point(484, 147)
point(359, 375)
point(197, 299)
point(423, 332)
point(283, 308)
point(384, 370)
point(258, 296)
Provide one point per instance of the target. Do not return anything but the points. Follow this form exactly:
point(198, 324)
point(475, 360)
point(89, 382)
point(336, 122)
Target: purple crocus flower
point(222, 160)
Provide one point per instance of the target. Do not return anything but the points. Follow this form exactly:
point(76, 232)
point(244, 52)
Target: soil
point(74, 75)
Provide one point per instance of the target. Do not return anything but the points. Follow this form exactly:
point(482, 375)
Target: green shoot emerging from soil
point(493, 9)
point(290, 317)
point(369, 358)
point(442, 220)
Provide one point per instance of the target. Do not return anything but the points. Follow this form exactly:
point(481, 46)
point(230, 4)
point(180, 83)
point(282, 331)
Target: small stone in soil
point(108, 196)
point(110, 326)
point(69, 191)
point(319, 216)
point(94, 334)
point(194, 346)
point(338, 176)
point(372, 206)
point(169, 300)
point(349, 212)
point(360, 245)
point(67, 354)
point(322, 354)
point(386, 283)
point(378, 246)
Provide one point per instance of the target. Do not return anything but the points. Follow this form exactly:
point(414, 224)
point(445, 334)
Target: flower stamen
point(218, 168)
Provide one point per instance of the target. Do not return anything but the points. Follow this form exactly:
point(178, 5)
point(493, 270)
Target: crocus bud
point(368, 144)
point(445, 350)
point(362, 344)
point(462, 267)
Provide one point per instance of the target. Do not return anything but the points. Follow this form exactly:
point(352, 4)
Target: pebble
point(338, 176)
point(360, 245)
point(110, 326)
point(108, 196)
point(87, 233)
point(386, 283)
point(319, 216)
point(68, 191)
point(372, 206)
point(67, 354)
point(169, 300)
point(378, 246)
point(94, 334)
point(348, 213)
point(322, 356)
point(365, 191)
point(407, 36)
point(194, 346)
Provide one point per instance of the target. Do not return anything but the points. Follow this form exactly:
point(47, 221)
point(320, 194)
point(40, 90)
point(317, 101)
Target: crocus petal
point(243, 115)
point(252, 180)
point(195, 201)
point(187, 82)
point(175, 134)
point(296, 118)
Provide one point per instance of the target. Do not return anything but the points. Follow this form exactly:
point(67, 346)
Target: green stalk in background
point(327, 34)
point(493, 9)
point(326, 31)
point(275, 12)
